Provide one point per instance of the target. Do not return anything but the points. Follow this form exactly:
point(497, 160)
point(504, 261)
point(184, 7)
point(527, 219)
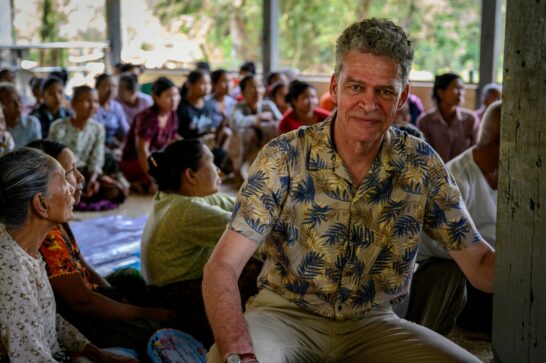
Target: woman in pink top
point(449, 128)
point(152, 130)
point(302, 96)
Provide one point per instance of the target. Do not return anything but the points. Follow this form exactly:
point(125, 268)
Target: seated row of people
point(113, 311)
point(35, 196)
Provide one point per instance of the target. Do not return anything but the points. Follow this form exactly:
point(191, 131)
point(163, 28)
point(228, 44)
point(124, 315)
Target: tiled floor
point(138, 205)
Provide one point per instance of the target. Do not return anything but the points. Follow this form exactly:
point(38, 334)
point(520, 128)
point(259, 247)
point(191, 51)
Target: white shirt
point(480, 200)
point(29, 324)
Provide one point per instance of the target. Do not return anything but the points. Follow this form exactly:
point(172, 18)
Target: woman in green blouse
point(188, 218)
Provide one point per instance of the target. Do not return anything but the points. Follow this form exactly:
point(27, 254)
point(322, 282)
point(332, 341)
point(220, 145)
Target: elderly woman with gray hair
point(34, 197)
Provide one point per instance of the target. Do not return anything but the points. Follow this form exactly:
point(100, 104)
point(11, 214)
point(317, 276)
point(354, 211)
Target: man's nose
point(368, 101)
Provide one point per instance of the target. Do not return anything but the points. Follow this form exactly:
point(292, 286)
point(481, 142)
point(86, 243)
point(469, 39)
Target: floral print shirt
point(30, 328)
point(87, 144)
point(336, 248)
point(62, 255)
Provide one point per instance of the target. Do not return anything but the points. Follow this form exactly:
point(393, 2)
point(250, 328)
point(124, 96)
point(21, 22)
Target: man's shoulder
point(407, 143)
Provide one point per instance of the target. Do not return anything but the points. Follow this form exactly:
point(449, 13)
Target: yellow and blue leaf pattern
point(337, 248)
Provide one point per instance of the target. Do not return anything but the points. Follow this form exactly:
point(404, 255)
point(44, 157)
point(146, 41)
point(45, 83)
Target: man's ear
point(333, 88)
point(40, 205)
point(403, 98)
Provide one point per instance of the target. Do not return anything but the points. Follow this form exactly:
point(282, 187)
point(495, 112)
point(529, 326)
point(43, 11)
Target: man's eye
point(355, 87)
point(386, 93)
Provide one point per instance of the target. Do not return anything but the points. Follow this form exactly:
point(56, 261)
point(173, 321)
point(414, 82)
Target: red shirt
point(289, 122)
point(62, 255)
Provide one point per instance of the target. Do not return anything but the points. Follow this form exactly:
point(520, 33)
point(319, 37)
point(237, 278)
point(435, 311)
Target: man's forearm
point(487, 272)
point(223, 306)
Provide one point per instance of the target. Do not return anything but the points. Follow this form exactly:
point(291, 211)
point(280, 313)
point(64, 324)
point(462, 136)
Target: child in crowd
point(6, 140)
point(277, 93)
point(51, 108)
point(85, 137)
point(254, 122)
point(130, 98)
point(196, 115)
point(153, 129)
point(36, 84)
point(22, 128)
point(302, 96)
point(110, 114)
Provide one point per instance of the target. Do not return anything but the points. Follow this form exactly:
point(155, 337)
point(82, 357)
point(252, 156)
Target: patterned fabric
point(290, 122)
point(174, 346)
point(62, 255)
point(6, 143)
point(46, 118)
point(87, 143)
point(27, 130)
point(114, 122)
point(29, 324)
point(146, 126)
point(335, 248)
point(450, 140)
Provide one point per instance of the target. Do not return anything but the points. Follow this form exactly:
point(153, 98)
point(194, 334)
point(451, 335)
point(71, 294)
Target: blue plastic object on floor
point(174, 346)
point(110, 243)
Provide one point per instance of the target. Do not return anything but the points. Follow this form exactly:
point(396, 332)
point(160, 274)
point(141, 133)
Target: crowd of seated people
point(170, 144)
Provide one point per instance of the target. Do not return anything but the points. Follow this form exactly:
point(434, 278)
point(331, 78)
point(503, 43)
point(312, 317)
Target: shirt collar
point(323, 155)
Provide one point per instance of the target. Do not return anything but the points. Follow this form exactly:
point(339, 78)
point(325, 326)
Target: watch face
point(233, 358)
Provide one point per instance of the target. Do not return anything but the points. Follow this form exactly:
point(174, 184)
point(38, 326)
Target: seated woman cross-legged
point(187, 219)
point(35, 196)
point(85, 137)
point(152, 129)
point(254, 122)
point(86, 299)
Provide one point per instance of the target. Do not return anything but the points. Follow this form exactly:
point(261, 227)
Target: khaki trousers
point(283, 332)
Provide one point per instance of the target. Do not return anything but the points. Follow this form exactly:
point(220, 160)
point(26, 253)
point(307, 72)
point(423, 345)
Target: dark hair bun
point(167, 166)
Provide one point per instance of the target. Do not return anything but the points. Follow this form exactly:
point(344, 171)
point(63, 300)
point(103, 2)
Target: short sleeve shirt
point(114, 122)
point(335, 248)
point(27, 130)
point(450, 140)
point(146, 126)
point(62, 255)
point(87, 143)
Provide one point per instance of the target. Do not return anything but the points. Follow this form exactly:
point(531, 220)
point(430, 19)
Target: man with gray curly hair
point(337, 210)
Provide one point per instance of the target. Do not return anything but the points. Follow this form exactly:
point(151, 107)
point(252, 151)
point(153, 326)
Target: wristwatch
point(241, 358)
